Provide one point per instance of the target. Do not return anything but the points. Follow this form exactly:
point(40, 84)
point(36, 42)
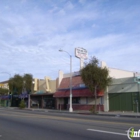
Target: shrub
point(92, 109)
point(22, 104)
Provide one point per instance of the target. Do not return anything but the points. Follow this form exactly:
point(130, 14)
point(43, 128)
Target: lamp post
point(29, 94)
point(70, 108)
point(28, 101)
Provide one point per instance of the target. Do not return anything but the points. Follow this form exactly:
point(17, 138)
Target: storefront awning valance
point(77, 93)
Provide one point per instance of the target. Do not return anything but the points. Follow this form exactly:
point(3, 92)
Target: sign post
point(82, 54)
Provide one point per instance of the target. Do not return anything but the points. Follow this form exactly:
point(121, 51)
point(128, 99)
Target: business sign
point(81, 53)
point(137, 74)
point(131, 133)
point(137, 79)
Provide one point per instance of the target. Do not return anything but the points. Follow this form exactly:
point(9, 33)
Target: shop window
point(102, 100)
point(82, 85)
point(75, 100)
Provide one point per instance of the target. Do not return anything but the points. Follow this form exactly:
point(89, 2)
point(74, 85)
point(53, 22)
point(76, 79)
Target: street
point(33, 125)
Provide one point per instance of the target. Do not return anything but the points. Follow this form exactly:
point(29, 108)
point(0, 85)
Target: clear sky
point(32, 32)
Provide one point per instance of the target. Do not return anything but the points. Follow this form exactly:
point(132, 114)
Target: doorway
point(65, 103)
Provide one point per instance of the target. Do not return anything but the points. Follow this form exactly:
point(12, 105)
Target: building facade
point(5, 100)
point(82, 97)
point(42, 97)
point(124, 95)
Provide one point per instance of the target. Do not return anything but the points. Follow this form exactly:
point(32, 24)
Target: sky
point(33, 31)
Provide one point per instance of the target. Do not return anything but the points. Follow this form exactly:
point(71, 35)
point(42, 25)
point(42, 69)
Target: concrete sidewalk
point(120, 114)
point(84, 112)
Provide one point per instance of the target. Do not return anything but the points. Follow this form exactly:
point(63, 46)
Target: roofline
point(123, 70)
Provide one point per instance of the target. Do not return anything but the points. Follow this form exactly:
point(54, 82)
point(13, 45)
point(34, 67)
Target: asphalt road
point(31, 125)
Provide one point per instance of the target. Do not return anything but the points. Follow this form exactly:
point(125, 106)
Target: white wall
point(59, 101)
point(116, 73)
point(91, 101)
point(60, 77)
point(83, 101)
point(106, 101)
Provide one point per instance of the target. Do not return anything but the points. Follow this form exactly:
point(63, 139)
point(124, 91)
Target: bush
point(92, 109)
point(22, 104)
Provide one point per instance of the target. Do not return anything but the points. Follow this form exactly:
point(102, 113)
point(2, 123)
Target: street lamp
point(70, 108)
point(29, 96)
point(7, 73)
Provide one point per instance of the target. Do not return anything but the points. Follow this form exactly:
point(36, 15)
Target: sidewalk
point(121, 114)
point(84, 112)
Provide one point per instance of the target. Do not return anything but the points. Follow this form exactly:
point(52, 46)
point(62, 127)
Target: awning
point(77, 93)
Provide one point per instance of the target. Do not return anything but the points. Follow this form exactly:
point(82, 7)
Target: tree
point(18, 83)
point(28, 78)
point(4, 91)
point(95, 77)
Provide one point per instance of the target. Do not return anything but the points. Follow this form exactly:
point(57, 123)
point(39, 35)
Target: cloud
point(32, 34)
point(69, 5)
point(82, 1)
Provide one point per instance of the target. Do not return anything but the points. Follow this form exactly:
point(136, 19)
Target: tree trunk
point(95, 93)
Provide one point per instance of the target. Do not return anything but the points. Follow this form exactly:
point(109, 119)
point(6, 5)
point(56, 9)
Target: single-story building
point(82, 97)
point(124, 95)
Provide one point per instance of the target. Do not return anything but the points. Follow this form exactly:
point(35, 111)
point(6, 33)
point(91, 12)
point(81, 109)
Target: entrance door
point(65, 103)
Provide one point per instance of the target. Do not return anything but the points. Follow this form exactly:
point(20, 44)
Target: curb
point(120, 115)
point(82, 113)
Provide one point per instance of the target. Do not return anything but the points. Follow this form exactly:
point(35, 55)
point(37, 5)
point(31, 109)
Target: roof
point(4, 82)
point(77, 89)
point(76, 81)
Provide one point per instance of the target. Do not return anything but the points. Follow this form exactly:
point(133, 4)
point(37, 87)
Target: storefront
point(82, 99)
point(42, 101)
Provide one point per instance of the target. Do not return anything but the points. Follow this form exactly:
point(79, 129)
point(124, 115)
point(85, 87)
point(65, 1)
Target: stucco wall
point(83, 100)
point(123, 85)
point(116, 73)
point(92, 101)
point(36, 84)
point(42, 85)
point(52, 84)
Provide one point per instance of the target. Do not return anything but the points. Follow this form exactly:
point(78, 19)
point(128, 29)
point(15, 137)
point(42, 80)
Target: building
point(5, 99)
point(4, 84)
point(82, 98)
point(42, 97)
point(124, 95)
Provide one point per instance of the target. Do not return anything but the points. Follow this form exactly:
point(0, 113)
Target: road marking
point(66, 118)
point(108, 132)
